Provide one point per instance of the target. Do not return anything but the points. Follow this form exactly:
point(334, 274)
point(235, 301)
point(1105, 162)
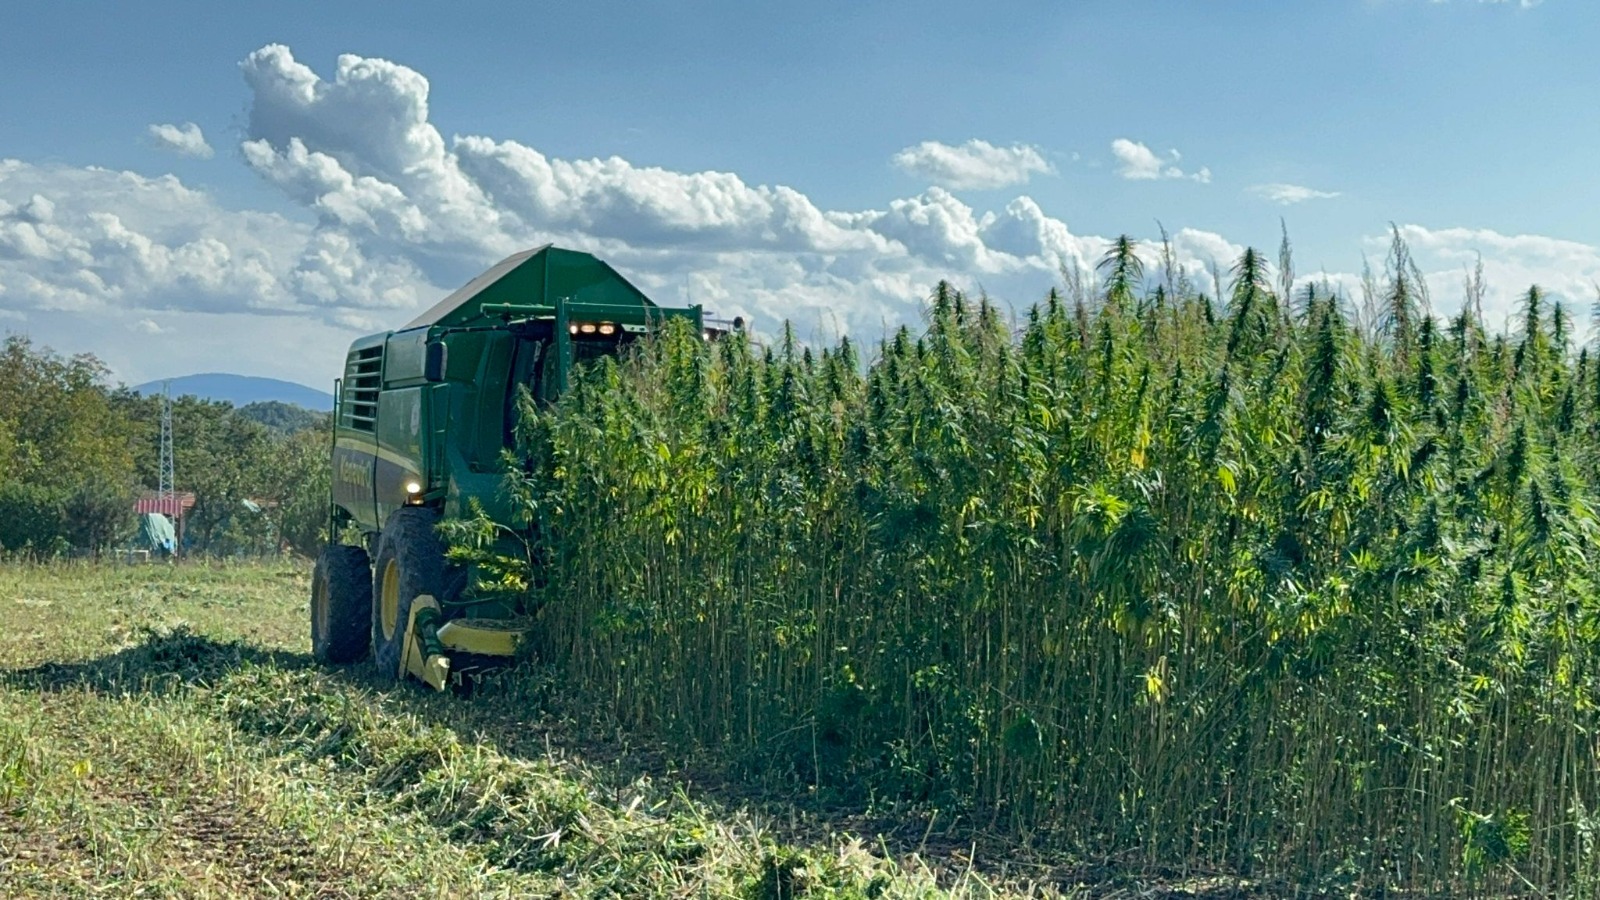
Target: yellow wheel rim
point(319, 606)
point(391, 599)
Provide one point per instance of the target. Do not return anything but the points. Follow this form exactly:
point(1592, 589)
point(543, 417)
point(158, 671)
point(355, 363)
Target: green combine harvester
point(423, 416)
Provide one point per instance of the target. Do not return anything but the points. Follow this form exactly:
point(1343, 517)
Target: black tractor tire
point(341, 605)
point(410, 563)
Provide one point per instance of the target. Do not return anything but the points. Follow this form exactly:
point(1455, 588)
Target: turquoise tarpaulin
point(156, 534)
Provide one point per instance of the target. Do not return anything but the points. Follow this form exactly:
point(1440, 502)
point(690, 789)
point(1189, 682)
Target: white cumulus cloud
point(185, 139)
point(113, 241)
point(1288, 194)
point(975, 165)
point(1138, 162)
point(387, 210)
point(394, 186)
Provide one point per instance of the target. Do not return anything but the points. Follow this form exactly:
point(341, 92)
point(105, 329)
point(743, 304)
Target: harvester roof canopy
point(536, 277)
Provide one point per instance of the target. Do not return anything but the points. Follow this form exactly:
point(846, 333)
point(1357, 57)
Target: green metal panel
point(483, 442)
point(400, 422)
point(354, 456)
point(466, 350)
point(540, 276)
point(399, 454)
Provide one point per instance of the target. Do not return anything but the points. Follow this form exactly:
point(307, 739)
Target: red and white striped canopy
point(174, 506)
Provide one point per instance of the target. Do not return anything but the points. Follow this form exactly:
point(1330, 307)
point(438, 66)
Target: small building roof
point(151, 502)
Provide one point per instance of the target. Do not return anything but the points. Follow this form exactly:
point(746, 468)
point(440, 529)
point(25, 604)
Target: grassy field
point(164, 732)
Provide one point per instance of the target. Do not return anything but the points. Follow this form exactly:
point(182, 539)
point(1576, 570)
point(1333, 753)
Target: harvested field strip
point(174, 763)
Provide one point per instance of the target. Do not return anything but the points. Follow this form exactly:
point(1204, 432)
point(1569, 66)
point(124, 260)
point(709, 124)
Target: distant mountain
point(242, 390)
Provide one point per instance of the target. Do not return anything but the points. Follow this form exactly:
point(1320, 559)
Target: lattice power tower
point(166, 497)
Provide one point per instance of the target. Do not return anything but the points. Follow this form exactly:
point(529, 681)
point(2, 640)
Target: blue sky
point(186, 189)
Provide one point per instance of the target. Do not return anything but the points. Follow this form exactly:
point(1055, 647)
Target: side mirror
point(435, 360)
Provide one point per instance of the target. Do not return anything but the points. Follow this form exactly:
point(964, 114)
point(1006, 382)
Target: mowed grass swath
point(1266, 585)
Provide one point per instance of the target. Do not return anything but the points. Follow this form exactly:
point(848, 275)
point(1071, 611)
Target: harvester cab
point(422, 419)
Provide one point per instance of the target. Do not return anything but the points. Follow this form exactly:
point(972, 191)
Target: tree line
point(76, 451)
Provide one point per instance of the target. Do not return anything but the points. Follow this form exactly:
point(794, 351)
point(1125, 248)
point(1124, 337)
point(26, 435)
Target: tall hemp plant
point(1238, 585)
